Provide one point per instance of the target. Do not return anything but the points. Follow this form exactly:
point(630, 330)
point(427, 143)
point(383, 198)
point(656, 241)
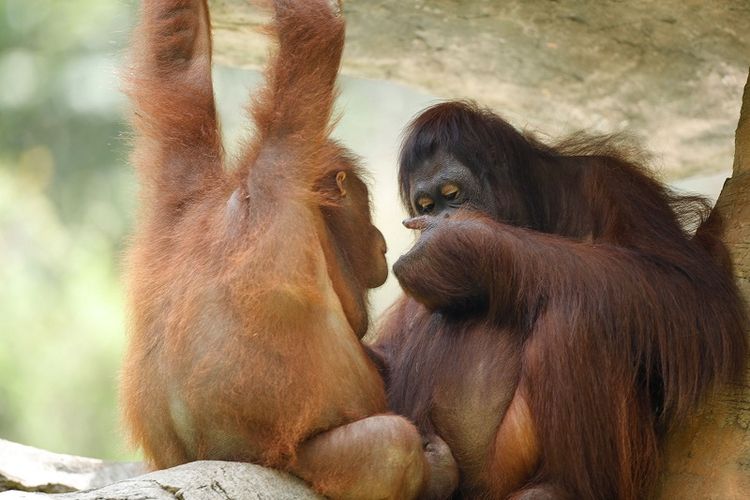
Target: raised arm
point(292, 111)
point(168, 80)
point(299, 91)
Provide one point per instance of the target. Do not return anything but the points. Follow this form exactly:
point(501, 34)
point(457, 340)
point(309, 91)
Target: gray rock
point(31, 469)
point(29, 473)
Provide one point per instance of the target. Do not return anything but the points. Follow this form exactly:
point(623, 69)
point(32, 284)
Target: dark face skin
point(442, 184)
point(367, 251)
point(377, 268)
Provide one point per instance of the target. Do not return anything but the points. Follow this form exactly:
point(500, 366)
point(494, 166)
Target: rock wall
point(669, 72)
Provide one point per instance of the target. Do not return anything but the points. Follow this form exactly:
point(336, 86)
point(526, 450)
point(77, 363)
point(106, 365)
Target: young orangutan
point(248, 286)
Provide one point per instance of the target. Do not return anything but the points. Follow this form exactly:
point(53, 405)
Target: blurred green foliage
point(66, 196)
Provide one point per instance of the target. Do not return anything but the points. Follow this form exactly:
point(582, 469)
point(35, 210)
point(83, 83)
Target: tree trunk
point(710, 456)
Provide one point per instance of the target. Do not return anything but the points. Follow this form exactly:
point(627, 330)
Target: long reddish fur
point(245, 297)
point(609, 320)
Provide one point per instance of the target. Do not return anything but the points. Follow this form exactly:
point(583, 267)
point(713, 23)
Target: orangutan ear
point(341, 183)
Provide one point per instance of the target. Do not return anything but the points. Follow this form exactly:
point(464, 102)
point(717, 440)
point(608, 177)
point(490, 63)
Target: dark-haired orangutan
point(247, 286)
point(558, 318)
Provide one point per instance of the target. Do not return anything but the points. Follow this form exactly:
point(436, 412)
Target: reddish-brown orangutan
point(558, 318)
point(248, 285)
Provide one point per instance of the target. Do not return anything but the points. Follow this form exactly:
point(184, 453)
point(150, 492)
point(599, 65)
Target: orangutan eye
point(425, 205)
point(449, 191)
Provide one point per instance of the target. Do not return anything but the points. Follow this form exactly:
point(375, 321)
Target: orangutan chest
point(472, 395)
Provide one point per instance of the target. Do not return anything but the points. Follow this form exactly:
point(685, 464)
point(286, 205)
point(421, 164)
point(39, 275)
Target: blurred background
point(67, 198)
point(66, 203)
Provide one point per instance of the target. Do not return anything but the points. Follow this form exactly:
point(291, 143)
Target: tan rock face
point(669, 72)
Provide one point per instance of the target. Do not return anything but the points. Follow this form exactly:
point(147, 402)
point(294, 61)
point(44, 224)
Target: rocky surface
point(30, 473)
point(669, 72)
point(30, 469)
point(194, 481)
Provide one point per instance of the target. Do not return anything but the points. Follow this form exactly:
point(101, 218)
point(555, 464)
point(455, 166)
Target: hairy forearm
point(473, 261)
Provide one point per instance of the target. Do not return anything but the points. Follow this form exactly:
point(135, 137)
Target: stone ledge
point(30, 473)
